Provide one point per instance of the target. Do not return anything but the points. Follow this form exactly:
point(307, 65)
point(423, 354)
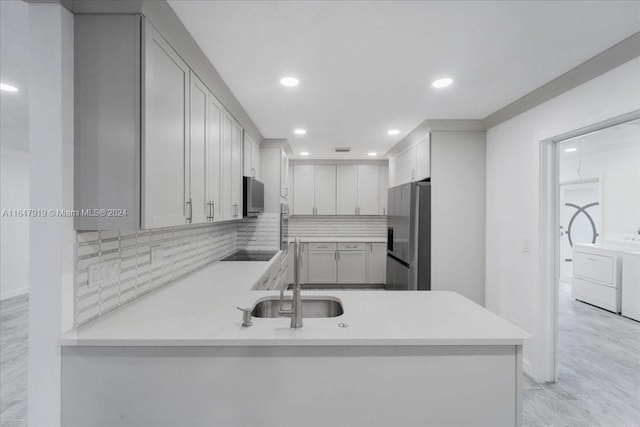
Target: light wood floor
point(599, 369)
point(13, 361)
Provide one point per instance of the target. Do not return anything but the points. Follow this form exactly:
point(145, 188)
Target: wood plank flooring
point(13, 361)
point(599, 369)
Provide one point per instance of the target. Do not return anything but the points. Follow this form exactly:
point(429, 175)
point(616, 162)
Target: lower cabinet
point(337, 263)
point(376, 263)
point(323, 264)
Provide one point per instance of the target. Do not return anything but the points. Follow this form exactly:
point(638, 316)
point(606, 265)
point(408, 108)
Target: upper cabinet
point(165, 147)
point(284, 174)
point(325, 190)
point(357, 190)
point(343, 189)
point(413, 164)
point(314, 190)
point(383, 186)
point(151, 140)
point(423, 160)
point(251, 157)
point(274, 173)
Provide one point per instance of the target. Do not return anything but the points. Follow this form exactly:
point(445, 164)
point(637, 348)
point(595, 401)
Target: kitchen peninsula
point(180, 357)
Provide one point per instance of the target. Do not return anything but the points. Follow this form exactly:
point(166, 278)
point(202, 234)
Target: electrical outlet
point(156, 254)
point(104, 273)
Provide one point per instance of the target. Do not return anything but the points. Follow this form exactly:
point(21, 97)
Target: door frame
point(546, 317)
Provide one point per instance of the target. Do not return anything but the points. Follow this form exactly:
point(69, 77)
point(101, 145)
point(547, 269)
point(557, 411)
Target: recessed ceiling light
point(304, 153)
point(8, 88)
point(570, 150)
point(393, 132)
point(372, 154)
point(300, 131)
point(289, 81)
point(442, 82)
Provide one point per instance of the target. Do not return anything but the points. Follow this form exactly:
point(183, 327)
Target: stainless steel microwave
point(253, 191)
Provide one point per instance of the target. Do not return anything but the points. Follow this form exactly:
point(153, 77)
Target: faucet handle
point(246, 317)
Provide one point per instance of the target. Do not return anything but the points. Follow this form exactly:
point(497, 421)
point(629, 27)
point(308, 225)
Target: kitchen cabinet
point(165, 185)
point(367, 186)
point(236, 169)
point(303, 189)
point(215, 114)
point(323, 264)
point(314, 190)
point(392, 172)
point(338, 263)
point(169, 154)
point(423, 160)
point(231, 203)
point(376, 263)
point(352, 263)
point(274, 173)
point(413, 164)
point(284, 174)
point(290, 198)
point(325, 190)
point(357, 190)
point(251, 158)
point(406, 167)
point(347, 190)
point(197, 191)
point(383, 187)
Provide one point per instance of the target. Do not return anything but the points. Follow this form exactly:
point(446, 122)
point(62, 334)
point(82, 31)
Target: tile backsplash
point(260, 233)
point(342, 226)
point(147, 260)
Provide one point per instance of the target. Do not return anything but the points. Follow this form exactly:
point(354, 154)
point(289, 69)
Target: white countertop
point(341, 239)
point(200, 310)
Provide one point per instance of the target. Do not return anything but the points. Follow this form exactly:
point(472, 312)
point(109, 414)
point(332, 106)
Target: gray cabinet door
point(322, 267)
point(352, 267)
point(215, 113)
point(165, 143)
point(198, 94)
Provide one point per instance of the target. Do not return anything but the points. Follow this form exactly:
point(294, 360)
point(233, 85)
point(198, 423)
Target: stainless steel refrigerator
point(409, 237)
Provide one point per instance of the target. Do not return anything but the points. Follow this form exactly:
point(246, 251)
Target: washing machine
point(597, 271)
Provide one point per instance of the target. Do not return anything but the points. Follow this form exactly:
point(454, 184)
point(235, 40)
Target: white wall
point(51, 187)
point(458, 212)
point(14, 148)
point(512, 275)
point(617, 164)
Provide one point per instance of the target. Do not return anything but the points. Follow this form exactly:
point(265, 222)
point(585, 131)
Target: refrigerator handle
point(390, 239)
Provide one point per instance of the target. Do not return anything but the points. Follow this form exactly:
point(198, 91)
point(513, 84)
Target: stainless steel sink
point(311, 307)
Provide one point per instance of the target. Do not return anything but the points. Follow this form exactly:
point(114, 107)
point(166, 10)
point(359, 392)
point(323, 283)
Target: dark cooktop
point(250, 256)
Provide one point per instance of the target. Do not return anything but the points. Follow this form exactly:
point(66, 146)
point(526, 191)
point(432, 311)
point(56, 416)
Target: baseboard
point(13, 293)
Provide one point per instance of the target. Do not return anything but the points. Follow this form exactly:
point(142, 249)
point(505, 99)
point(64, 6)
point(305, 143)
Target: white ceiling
point(366, 67)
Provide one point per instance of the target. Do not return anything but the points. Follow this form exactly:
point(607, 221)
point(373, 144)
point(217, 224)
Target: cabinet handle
point(213, 211)
point(591, 259)
point(351, 246)
point(190, 211)
point(384, 210)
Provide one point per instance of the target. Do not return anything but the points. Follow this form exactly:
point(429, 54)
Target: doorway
point(556, 189)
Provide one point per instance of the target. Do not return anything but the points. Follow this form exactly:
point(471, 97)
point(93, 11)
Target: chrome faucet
point(295, 312)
